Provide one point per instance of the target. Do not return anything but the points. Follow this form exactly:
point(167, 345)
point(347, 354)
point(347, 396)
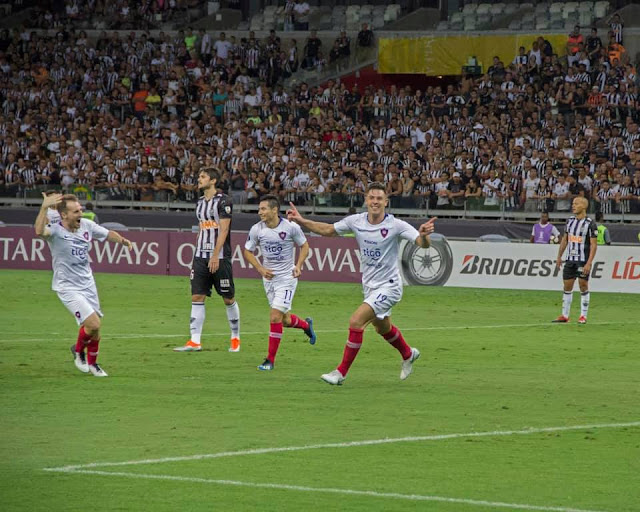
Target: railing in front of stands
point(342, 203)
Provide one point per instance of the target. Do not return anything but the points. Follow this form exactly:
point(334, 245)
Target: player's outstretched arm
point(253, 261)
point(424, 240)
point(320, 228)
point(119, 239)
point(41, 219)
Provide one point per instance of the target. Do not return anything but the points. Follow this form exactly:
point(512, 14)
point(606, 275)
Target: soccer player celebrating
point(211, 264)
point(69, 241)
point(378, 235)
point(277, 238)
point(580, 237)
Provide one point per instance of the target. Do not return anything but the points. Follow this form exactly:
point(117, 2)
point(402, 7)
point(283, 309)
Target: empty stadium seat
point(470, 8)
point(497, 9)
point(483, 9)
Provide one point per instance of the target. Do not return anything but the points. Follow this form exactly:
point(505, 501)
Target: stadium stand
point(132, 118)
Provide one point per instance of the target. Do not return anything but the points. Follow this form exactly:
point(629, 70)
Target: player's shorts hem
point(572, 270)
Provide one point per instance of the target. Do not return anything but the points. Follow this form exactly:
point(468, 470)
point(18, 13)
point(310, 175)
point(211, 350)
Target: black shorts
point(573, 269)
point(202, 280)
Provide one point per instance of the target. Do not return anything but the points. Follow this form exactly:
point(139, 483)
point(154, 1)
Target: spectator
point(301, 15)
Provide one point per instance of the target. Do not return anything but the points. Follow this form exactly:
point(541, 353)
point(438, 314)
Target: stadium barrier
point(445, 263)
point(514, 266)
point(170, 253)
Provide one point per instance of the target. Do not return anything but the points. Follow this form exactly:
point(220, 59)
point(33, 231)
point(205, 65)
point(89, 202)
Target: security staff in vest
point(88, 213)
point(604, 238)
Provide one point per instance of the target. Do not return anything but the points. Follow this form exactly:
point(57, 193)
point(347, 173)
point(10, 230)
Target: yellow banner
point(445, 55)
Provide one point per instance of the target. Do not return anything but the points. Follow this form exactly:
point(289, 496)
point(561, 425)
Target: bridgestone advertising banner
point(445, 263)
point(514, 265)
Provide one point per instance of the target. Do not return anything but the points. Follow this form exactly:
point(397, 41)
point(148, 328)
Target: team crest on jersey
point(227, 209)
point(283, 235)
point(384, 232)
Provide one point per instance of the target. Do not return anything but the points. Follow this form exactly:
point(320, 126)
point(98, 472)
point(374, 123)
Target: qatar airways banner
point(514, 265)
point(20, 248)
point(169, 252)
point(330, 259)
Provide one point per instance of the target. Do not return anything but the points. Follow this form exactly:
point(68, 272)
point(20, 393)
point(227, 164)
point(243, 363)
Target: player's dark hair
point(213, 173)
point(67, 198)
point(273, 201)
point(376, 185)
point(599, 216)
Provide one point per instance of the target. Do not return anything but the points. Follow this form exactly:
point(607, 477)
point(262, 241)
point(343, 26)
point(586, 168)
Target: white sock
point(566, 303)
point(584, 304)
point(233, 315)
point(197, 321)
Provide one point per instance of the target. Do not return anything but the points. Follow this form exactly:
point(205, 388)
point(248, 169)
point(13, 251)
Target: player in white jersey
point(378, 235)
point(277, 239)
point(70, 241)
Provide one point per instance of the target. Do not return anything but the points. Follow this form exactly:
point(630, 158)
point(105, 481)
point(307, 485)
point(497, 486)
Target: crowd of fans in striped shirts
point(136, 117)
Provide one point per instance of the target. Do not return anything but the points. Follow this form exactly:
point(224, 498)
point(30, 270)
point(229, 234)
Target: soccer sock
point(584, 304)
point(566, 303)
point(395, 339)
point(92, 351)
point(197, 321)
point(233, 315)
point(83, 339)
point(351, 350)
point(298, 323)
point(275, 335)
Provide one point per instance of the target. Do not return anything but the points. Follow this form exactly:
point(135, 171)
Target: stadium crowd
point(136, 117)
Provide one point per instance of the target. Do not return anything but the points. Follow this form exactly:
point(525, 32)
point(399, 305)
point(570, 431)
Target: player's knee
point(355, 322)
point(92, 325)
point(197, 298)
point(277, 317)
point(228, 301)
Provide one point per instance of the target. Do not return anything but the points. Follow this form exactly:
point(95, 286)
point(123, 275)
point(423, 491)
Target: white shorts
point(382, 299)
point(81, 303)
point(280, 292)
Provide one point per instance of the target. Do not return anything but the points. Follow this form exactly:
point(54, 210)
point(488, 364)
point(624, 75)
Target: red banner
point(170, 252)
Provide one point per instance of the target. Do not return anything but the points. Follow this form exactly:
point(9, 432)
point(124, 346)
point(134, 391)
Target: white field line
point(320, 331)
point(330, 490)
point(370, 442)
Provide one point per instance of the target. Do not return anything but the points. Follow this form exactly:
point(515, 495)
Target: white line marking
point(260, 451)
point(352, 492)
point(321, 331)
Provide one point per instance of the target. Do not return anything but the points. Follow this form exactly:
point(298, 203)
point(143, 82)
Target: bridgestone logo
point(476, 265)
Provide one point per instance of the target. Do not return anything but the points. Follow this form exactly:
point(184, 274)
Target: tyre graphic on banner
point(428, 267)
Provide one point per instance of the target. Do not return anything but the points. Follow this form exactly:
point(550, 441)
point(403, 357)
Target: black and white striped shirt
point(579, 234)
point(209, 213)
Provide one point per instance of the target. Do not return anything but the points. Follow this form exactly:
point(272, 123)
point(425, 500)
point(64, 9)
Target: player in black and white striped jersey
point(211, 266)
point(580, 240)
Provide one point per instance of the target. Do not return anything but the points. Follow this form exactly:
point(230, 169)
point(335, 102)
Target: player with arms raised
point(378, 235)
point(277, 239)
point(69, 241)
point(211, 266)
point(581, 241)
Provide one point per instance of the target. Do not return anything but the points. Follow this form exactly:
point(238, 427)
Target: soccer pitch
point(504, 410)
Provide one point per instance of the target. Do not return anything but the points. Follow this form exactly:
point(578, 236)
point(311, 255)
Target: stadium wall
point(447, 263)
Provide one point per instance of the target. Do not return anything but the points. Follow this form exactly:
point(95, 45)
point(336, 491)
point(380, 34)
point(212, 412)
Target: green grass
point(157, 403)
